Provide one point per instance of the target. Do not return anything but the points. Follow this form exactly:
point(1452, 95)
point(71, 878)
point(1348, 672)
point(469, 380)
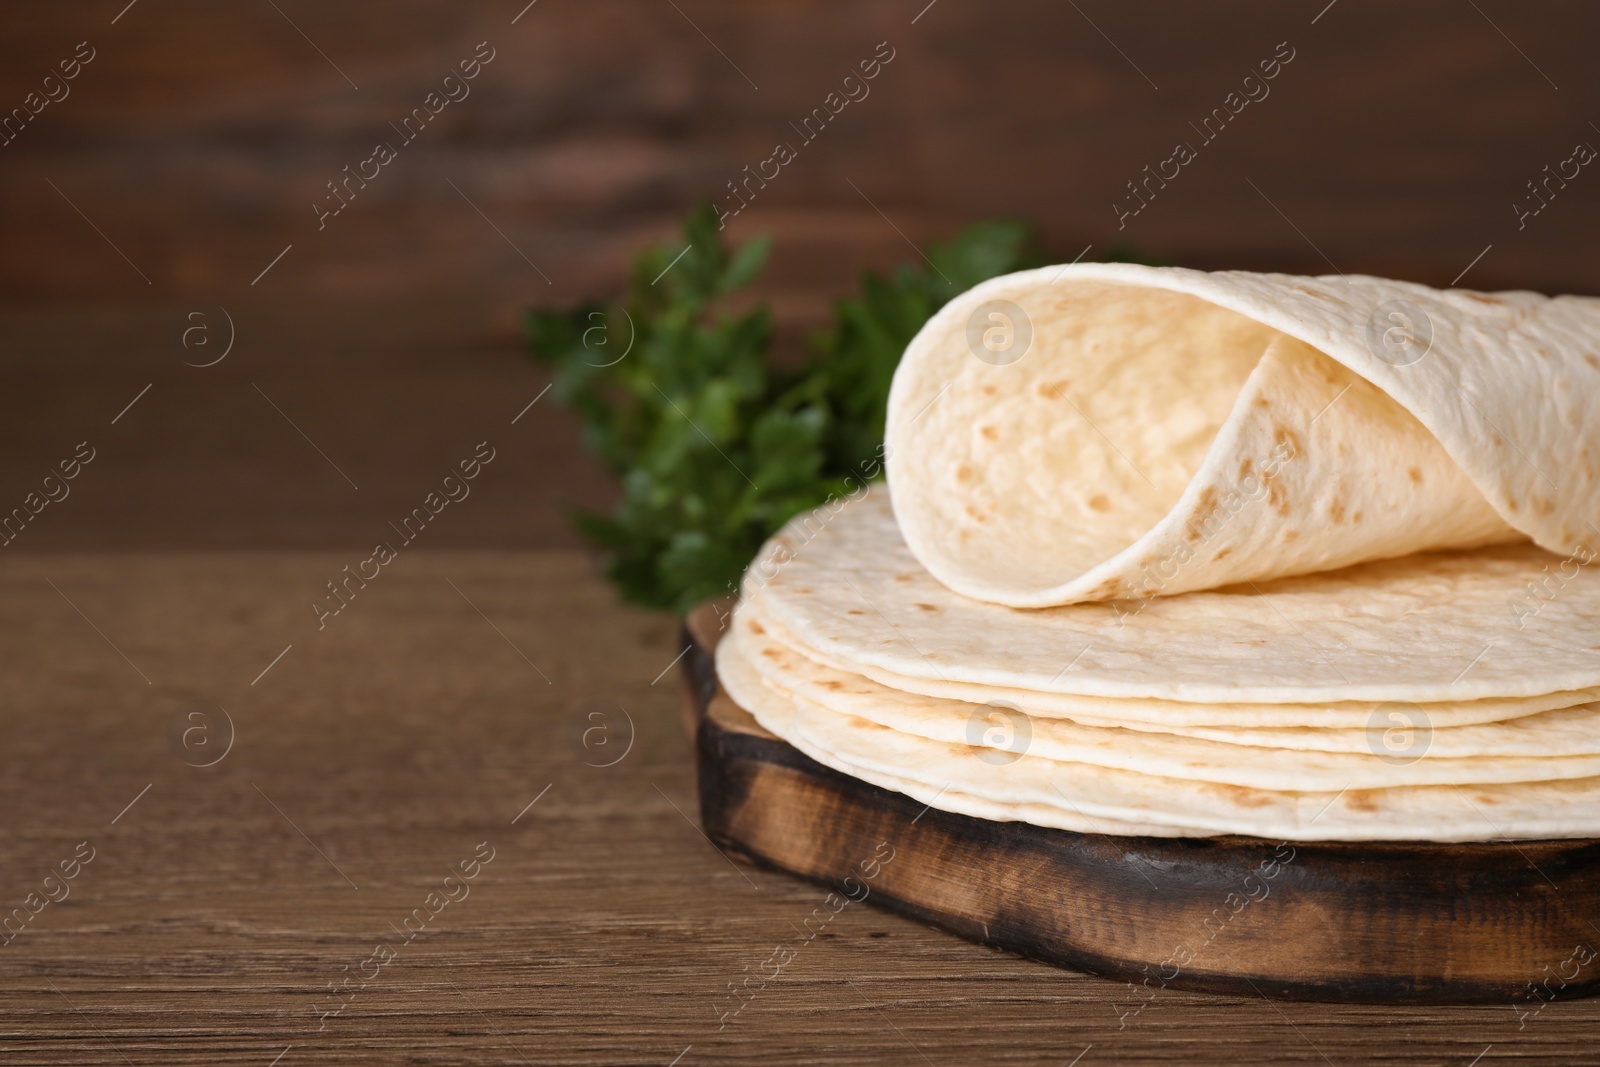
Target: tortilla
point(1398, 752)
point(1088, 798)
point(1428, 628)
point(1102, 431)
point(1217, 720)
point(1183, 554)
point(777, 716)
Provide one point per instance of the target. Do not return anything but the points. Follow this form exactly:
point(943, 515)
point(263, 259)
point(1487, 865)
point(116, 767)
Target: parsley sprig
point(716, 447)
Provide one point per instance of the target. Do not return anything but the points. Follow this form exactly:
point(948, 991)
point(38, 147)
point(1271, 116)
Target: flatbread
point(1379, 501)
point(1399, 751)
point(777, 715)
point(1102, 431)
point(1218, 720)
point(1089, 798)
point(1428, 628)
point(780, 714)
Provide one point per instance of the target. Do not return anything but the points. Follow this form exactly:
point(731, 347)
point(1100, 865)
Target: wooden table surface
point(458, 708)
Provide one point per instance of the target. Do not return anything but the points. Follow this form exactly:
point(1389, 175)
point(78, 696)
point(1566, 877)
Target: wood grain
point(605, 931)
point(200, 136)
point(192, 147)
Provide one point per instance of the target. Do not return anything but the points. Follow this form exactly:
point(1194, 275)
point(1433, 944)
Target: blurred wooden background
point(192, 147)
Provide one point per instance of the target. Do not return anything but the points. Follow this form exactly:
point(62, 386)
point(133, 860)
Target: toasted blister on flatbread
point(1113, 431)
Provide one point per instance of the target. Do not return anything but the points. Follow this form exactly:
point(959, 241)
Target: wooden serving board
point(1400, 922)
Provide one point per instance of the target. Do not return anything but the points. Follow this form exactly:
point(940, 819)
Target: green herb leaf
point(715, 449)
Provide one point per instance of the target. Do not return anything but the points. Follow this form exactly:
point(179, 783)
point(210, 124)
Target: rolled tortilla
point(1110, 431)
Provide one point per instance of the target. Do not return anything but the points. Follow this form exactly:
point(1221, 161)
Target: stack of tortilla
point(1172, 553)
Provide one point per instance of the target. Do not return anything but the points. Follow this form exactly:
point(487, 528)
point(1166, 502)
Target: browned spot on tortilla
point(771, 653)
point(1589, 359)
point(1099, 502)
point(1108, 589)
point(1497, 439)
point(1053, 389)
point(1483, 799)
point(1290, 535)
point(1357, 516)
point(1543, 506)
point(963, 473)
point(989, 432)
point(855, 611)
point(975, 514)
point(1261, 401)
point(1223, 554)
point(756, 627)
point(1482, 298)
point(833, 684)
point(1313, 292)
point(1205, 512)
point(1415, 475)
point(1511, 504)
point(1360, 800)
point(1283, 435)
point(905, 577)
point(1336, 510)
point(1246, 798)
point(803, 592)
point(1245, 468)
point(927, 607)
point(989, 390)
point(1277, 498)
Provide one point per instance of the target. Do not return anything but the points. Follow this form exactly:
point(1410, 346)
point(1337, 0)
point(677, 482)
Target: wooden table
point(442, 715)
